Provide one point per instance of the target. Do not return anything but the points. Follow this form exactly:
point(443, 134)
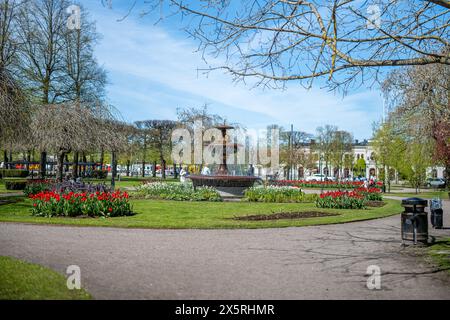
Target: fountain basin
point(228, 186)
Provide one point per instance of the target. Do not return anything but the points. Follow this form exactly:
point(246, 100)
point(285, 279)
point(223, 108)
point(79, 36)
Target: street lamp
point(320, 172)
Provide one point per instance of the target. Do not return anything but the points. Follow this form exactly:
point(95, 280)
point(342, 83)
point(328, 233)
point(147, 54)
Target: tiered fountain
point(228, 185)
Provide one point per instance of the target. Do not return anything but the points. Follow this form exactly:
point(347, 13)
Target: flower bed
point(179, 192)
point(321, 184)
point(355, 199)
point(371, 194)
point(36, 186)
point(341, 200)
point(277, 194)
point(99, 204)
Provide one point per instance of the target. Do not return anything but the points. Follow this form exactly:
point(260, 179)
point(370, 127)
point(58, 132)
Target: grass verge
point(423, 194)
point(161, 214)
point(440, 253)
point(21, 280)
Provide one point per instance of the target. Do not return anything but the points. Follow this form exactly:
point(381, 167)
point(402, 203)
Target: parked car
point(315, 177)
point(319, 177)
point(435, 183)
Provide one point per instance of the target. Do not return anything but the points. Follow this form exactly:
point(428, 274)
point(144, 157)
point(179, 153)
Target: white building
point(362, 150)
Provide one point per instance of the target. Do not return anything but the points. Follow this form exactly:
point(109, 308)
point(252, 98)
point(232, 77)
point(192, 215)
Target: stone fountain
point(227, 184)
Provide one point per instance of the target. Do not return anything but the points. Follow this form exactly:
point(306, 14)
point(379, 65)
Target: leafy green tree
point(341, 145)
point(360, 167)
point(389, 150)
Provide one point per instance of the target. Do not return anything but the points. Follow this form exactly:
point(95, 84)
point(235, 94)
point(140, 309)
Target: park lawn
point(3, 188)
point(20, 280)
point(440, 253)
point(164, 214)
point(427, 194)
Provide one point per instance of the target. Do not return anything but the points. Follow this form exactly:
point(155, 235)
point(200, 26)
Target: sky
point(153, 70)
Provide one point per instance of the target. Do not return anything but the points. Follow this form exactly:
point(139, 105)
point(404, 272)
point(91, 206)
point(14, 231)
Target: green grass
point(440, 253)
point(203, 215)
point(3, 188)
point(423, 194)
point(21, 280)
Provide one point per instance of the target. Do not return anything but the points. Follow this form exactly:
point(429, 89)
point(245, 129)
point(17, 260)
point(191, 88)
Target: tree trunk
point(163, 174)
point(102, 158)
point(143, 168)
point(113, 170)
point(128, 168)
point(43, 164)
point(76, 156)
point(175, 173)
point(84, 166)
point(154, 169)
point(28, 161)
point(5, 159)
point(60, 166)
point(66, 160)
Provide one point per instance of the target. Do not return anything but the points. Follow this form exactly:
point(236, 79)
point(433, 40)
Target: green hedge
point(14, 173)
point(99, 174)
point(15, 185)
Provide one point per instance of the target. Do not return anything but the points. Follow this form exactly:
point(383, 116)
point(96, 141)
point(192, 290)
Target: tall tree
point(160, 135)
point(43, 25)
point(84, 79)
point(143, 139)
point(419, 100)
point(13, 100)
point(389, 148)
point(323, 144)
point(341, 145)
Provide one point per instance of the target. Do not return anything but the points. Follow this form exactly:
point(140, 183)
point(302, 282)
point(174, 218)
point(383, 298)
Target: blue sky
point(152, 70)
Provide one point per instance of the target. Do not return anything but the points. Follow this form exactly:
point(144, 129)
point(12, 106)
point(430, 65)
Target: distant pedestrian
point(206, 171)
point(251, 171)
point(183, 174)
point(366, 184)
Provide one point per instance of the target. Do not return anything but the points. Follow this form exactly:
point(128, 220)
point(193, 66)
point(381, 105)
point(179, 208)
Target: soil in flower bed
point(286, 215)
point(375, 204)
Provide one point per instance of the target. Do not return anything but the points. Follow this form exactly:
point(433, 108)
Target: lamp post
point(320, 172)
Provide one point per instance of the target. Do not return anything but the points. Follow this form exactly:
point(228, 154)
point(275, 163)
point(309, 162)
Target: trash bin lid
point(414, 202)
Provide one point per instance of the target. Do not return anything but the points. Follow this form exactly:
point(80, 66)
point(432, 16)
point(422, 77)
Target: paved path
point(321, 262)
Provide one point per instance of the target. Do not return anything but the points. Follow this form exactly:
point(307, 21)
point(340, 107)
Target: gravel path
point(321, 262)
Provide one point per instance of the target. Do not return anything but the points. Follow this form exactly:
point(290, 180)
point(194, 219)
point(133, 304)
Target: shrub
point(179, 192)
point(72, 186)
point(15, 185)
point(277, 194)
point(14, 173)
point(36, 186)
point(99, 174)
point(106, 204)
point(341, 200)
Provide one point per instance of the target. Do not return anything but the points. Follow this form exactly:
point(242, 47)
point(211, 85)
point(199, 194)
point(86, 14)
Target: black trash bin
point(415, 220)
point(437, 213)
